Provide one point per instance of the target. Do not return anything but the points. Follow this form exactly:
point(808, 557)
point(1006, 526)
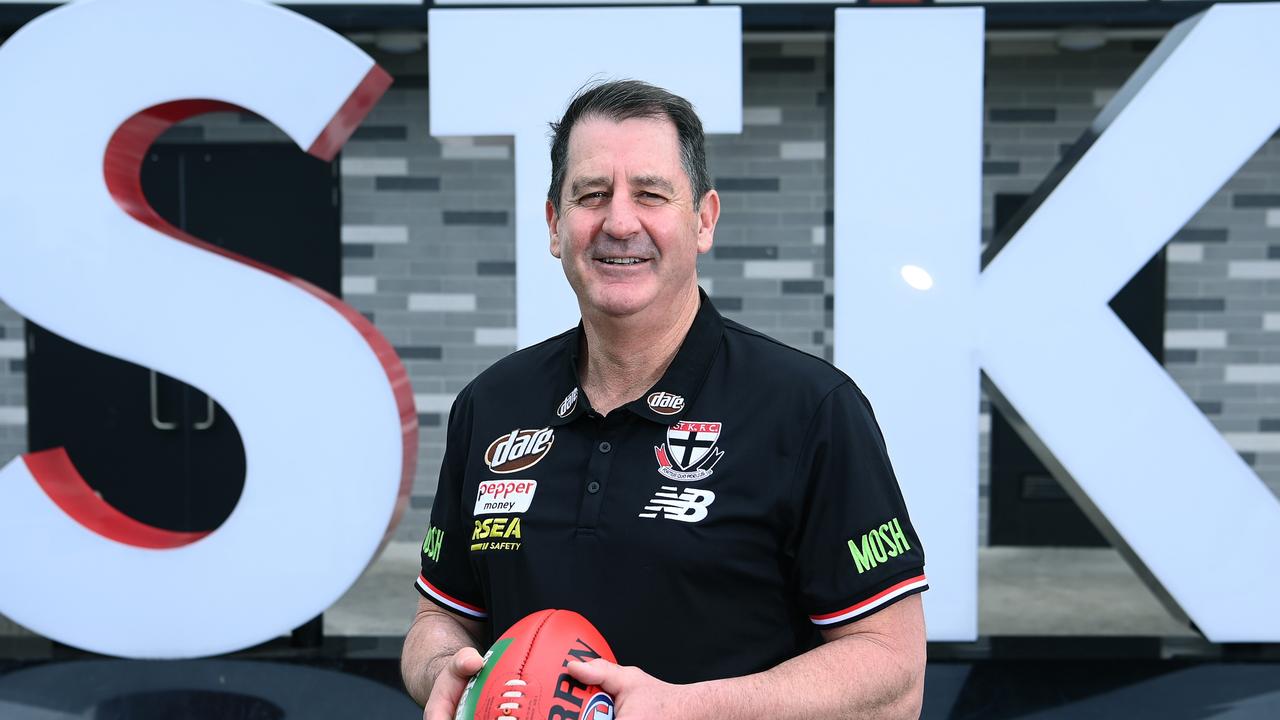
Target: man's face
point(627, 232)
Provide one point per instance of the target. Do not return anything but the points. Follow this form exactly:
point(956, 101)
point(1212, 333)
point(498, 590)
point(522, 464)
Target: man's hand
point(885, 652)
point(637, 695)
point(449, 684)
point(433, 649)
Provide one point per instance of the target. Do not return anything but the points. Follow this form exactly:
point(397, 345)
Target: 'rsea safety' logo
point(496, 534)
point(664, 403)
point(518, 449)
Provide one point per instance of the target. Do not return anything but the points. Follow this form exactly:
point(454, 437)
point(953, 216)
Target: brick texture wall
point(428, 237)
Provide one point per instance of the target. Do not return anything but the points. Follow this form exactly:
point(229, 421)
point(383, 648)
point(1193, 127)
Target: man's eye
point(648, 198)
point(594, 199)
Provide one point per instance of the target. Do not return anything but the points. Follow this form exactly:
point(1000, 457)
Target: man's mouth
point(622, 260)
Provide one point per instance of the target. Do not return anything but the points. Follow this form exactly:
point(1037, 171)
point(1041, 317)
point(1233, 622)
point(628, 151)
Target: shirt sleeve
point(447, 578)
point(855, 549)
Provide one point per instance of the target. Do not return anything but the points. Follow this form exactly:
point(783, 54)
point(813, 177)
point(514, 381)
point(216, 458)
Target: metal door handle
point(209, 415)
point(156, 422)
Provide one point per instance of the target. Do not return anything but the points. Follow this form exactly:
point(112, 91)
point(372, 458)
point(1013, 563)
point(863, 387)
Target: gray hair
point(622, 100)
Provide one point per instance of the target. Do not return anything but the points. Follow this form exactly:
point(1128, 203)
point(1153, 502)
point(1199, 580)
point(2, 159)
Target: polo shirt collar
point(667, 401)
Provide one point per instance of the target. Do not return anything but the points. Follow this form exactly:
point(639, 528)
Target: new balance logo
point(688, 506)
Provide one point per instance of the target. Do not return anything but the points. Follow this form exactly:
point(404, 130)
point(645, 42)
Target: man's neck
point(626, 356)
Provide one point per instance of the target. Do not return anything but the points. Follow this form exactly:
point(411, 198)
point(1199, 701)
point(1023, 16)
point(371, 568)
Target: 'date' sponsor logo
point(664, 403)
point(567, 405)
point(518, 450)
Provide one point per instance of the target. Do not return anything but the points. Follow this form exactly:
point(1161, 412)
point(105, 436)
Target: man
point(720, 506)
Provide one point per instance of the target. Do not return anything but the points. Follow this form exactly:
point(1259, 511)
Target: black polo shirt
point(708, 528)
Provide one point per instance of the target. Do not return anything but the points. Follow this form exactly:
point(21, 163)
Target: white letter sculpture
point(1128, 443)
point(321, 401)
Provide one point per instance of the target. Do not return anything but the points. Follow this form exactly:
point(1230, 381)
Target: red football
point(524, 676)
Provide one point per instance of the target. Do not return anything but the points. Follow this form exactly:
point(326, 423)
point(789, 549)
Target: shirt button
point(605, 447)
point(593, 487)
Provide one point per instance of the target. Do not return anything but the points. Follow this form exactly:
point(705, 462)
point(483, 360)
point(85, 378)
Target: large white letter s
point(321, 401)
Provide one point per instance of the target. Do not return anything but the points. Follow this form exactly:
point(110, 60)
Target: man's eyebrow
point(580, 184)
point(653, 181)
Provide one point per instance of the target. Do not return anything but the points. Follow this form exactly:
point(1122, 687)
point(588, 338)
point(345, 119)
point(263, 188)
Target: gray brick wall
point(428, 238)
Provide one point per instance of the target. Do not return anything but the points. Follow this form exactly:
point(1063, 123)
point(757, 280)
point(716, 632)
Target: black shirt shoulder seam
point(797, 483)
point(799, 354)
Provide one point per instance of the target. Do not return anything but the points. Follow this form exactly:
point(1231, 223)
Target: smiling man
point(719, 505)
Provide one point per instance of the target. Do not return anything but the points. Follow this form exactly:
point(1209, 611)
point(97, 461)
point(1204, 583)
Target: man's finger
point(466, 662)
point(597, 672)
point(449, 684)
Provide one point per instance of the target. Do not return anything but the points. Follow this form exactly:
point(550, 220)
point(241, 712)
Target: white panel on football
point(511, 72)
point(267, 350)
point(907, 196)
point(1131, 439)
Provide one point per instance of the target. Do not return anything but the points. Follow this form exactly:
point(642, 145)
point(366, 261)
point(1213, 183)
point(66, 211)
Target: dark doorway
point(156, 449)
point(1028, 505)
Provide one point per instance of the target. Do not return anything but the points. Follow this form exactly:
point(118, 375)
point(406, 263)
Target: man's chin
point(622, 303)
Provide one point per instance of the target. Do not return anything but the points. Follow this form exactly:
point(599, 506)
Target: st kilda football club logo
point(690, 451)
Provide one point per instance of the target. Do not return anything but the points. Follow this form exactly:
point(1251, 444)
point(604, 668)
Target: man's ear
point(553, 228)
point(708, 216)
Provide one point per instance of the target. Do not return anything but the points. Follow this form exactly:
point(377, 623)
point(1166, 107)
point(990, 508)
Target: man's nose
point(622, 220)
